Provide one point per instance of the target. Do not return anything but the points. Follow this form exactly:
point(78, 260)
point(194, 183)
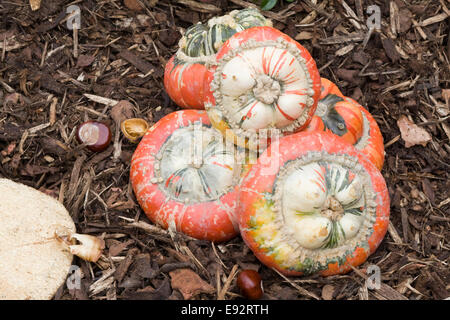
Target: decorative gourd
point(263, 80)
point(337, 115)
point(351, 116)
point(320, 207)
point(185, 177)
point(185, 71)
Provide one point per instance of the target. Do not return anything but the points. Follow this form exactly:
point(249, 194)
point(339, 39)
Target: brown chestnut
point(249, 281)
point(95, 135)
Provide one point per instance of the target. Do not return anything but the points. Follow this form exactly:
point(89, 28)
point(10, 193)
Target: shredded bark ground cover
point(53, 78)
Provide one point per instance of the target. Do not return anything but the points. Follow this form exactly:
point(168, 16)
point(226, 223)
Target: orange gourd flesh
point(371, 142)
point(183, 81)
point(296, 202)
point(335, 114)
point(197, 198)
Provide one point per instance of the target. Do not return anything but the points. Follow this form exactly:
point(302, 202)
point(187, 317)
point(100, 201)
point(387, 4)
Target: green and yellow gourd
point(185, 71)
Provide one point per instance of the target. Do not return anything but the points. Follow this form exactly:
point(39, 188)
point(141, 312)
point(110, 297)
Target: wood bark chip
point(122, 269)
point(34, 170)
point(200, 7)
point(405, 225)
point(143, 266)
point(74, 181)
point(49, 25)
point(404, 20)
point(148, 293)
point(389, 48)
point(428, 190)
point(116, 248)
point(385, 291)
point(140, 64)
point(35, 4)
point(47, 82)
point(349, 75)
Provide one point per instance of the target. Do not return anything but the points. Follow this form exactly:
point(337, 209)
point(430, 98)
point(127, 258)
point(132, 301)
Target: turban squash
point(185, 176)
point(185, 72)
point(318, 208)
point(347, 119)
point(262, 80)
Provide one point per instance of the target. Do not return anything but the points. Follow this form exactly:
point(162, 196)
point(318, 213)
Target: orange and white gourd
point(323, 206)
point(263, 80)
point(185, 72)
point(337, 115)
point(185, 177)
point(347, 119)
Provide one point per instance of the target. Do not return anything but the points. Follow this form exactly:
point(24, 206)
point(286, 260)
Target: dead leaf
point(13, 99)
point(411, 133)
point(85, 60)
point(133, 5)
point(327, 292)
point(189, 283)
point(122, 110)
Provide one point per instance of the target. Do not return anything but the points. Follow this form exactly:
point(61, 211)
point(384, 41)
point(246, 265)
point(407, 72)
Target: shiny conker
point(95, 135)
point(250, 284)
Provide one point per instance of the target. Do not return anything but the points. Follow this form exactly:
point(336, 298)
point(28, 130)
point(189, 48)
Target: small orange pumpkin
point(185, 177)
point(185, 72)
point(359, 127)
point(263, 81)
point(321, 207)
point(337, 115)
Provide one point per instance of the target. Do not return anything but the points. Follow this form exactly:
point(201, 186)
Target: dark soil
point(402, 70)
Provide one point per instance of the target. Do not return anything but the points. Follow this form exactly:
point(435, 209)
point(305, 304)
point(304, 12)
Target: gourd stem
point(332, 209)
point(266, 89)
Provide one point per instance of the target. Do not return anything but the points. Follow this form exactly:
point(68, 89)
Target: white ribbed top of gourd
point(322, 209)
point(195, 165)
point(263, 85)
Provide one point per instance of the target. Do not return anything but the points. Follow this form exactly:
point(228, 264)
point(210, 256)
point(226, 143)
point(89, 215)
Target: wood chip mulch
point(51, 80)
